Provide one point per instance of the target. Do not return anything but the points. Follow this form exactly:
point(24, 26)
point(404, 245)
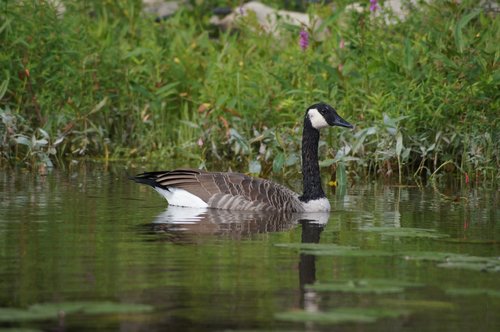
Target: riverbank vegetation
point(104, 80)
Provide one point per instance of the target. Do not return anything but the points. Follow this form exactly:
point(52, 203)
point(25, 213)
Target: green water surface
point(87, 249)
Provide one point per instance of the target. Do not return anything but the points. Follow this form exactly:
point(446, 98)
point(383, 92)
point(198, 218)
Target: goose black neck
point(310, 166)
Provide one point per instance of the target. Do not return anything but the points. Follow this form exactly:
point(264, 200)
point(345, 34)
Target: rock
point(269, 19)
point(398, 10)
point(161, 9)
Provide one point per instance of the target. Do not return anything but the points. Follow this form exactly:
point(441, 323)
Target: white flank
point(181, 197)
point(317, 205)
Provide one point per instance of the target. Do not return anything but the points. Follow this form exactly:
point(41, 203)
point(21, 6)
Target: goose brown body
point(228, 191)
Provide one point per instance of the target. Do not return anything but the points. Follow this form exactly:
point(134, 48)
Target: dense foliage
point(104, 79)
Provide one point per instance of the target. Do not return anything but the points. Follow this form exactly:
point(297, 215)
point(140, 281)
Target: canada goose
point(235, 191)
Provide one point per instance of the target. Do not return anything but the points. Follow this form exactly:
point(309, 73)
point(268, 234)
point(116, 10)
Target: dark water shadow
point(311, 233)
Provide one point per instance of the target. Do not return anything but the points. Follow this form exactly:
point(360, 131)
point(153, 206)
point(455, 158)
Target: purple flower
point(373, 5)
point(304, 40)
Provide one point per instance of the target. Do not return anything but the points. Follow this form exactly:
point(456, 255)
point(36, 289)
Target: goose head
point(322, 115)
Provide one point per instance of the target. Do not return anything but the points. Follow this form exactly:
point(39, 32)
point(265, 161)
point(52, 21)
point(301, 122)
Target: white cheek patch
point(317, 120)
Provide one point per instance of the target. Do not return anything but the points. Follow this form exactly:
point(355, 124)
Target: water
point(77, 245)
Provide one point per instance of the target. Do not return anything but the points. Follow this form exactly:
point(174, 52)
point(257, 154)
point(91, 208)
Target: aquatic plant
point(342, 315)
point(46, 311)
point(363, 286)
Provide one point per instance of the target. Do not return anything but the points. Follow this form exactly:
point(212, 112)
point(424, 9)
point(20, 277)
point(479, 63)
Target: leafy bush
point(103, 79)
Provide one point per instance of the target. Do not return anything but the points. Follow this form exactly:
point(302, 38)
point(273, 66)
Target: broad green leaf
point(361, 138)
point(4, 86)
point(342, 152)
point(462, 22)
point(399, 143)
point(254, 167)
point(326, 162)
point(99, 106)
point(377, 286)
point(44, 133)
point(366, 132)
point(391, 130)
point(323, 249)
point(341, 174)
point(405, 232)
point(388, 121)
point(406, 153)
point(221, 100)
point(408, 55)
point(473, 292)
point(278, 162)
point(167, 90)
point(417, 304)
point(138, 51)
point(5, 25)
point(19, 315)
point(23, 140)
point(190, 124)
point(430, 255)
point(291, 160)
point(315, 246)
point(44, 311)
point(475, 266)
point(41, 142)
point(46, 160)
point(341, 315)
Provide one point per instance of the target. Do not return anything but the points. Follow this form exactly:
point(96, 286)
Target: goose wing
point(228, 191)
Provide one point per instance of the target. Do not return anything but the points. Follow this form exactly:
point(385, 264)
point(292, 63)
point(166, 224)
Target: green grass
point(105, 81)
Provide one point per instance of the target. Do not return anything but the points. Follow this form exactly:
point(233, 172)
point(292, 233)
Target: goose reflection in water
point(186, 225)
point(309, 299)
point(183, 224)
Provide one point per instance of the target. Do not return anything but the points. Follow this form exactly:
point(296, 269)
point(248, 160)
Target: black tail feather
point(151, 178)
point(148, 178)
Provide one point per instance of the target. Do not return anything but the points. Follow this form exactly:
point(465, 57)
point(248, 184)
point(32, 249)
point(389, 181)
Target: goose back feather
point(228, 191)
